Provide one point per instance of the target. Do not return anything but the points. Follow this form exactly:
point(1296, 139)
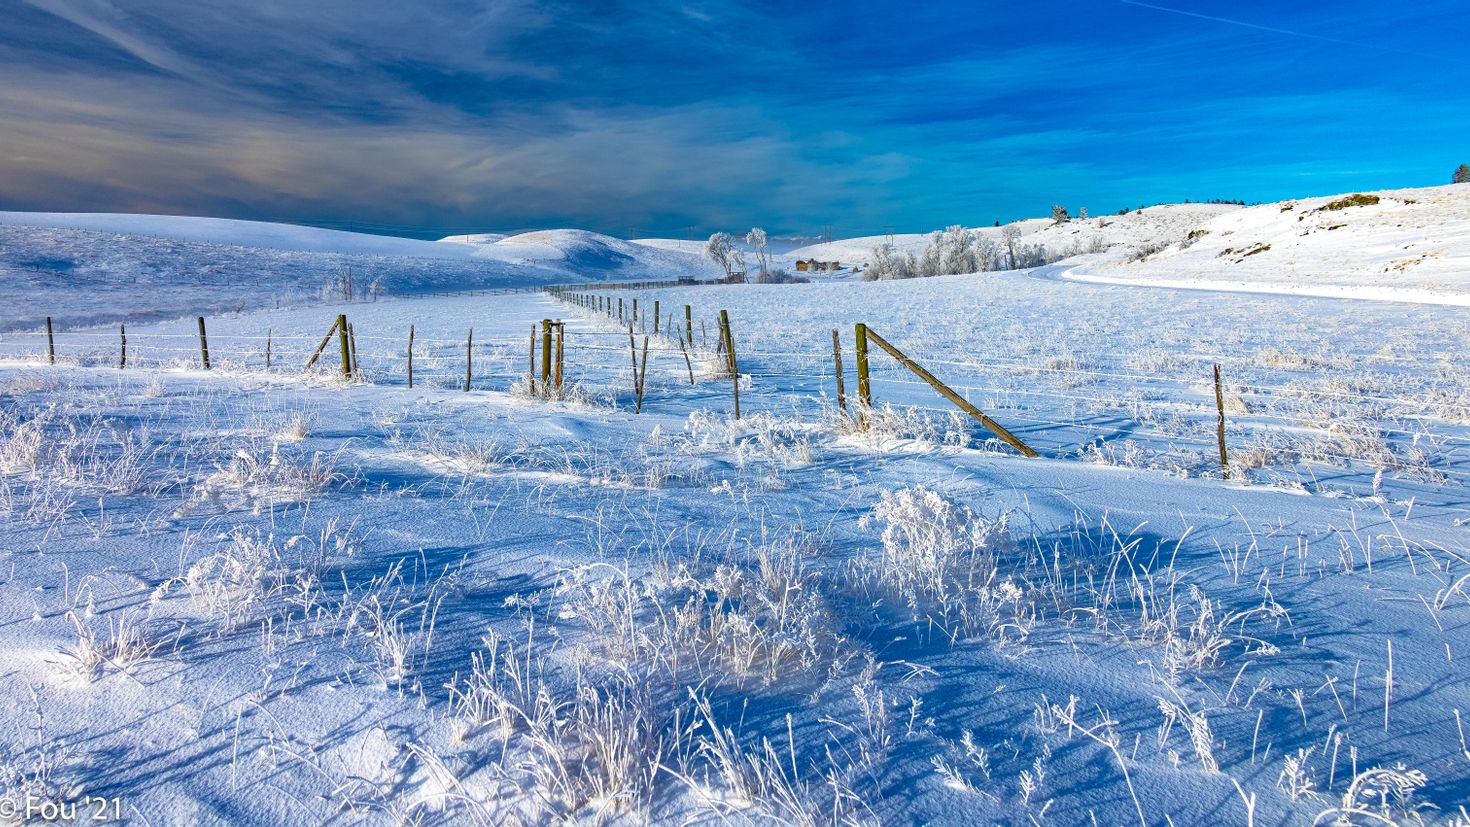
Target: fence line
point(792, 378)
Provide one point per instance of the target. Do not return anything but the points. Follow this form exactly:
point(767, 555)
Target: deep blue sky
point(451, 115)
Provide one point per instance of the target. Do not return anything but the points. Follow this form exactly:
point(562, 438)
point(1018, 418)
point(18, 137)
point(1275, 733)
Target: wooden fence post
point(531, 369)
point(730, 356)
point(545, 357)
point(122, 361)
point(561, 349)
point(655, 317)
point(865, 387)
point(50, 341)
point(469, 359)
point(268, 332)
point(1220, 423)
point(633, 355)
point(352, 341)
point(689, 325)
point(410, 356)
point(203, 345)
point(837, 361)
point(344, 345)
point(635, 312)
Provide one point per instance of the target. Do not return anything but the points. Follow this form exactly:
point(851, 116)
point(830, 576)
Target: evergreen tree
point(1059, 215)
point(1462, 174)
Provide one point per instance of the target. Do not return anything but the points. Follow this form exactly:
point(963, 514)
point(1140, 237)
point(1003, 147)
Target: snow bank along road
point(250, 596)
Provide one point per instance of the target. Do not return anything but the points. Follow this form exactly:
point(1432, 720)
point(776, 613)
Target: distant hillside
point(1116, 233)
point(90, 268)
point(1389, 240)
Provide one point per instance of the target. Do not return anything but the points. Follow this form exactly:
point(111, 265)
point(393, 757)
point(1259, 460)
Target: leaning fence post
point(837, 361)
point(410, 356)
point(949, 393)
point(469, 359)
point(687, 364)
point(1220, 423)
point(642, 377)
point(323, 346)
point(203, 344)
point(730, 355)
point(50, 341)
point(122, 361)
point(344, 345)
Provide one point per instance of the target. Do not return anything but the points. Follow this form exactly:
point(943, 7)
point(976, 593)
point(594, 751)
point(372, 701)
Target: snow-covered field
point(270, 596)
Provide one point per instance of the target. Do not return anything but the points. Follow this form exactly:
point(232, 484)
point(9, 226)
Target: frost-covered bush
point(939, 560)
point(252, 475)
point(763, 617)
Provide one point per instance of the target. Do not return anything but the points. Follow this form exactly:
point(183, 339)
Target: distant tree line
point(956, 250)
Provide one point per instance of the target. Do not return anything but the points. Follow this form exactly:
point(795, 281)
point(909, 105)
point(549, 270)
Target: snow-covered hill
point(1408, 243)
point(90, 268)
point(259, 234)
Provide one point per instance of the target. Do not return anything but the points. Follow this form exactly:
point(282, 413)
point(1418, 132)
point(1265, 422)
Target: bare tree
point(757, 239)
point(721, 250)
point(345, 284)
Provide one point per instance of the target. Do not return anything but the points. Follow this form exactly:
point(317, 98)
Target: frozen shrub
point(939, 560)
point(1355, 200)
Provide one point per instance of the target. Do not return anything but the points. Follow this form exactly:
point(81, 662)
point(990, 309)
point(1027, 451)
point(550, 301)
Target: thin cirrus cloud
point(646, 117)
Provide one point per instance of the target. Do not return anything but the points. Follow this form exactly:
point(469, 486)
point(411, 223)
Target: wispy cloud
point(663, 113)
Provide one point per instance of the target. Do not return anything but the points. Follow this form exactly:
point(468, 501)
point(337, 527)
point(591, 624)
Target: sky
point(679, 117)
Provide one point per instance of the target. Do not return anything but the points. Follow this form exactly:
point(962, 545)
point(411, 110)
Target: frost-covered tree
point(987, 257)
point(1059, 215)
point(888, 263)
point(880, 266)
point(1082, 214)
point(957, 251)
point(721, 250)
point(1009, 235)
point(929, 263)
point(757, 239)
point(1462, 174)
